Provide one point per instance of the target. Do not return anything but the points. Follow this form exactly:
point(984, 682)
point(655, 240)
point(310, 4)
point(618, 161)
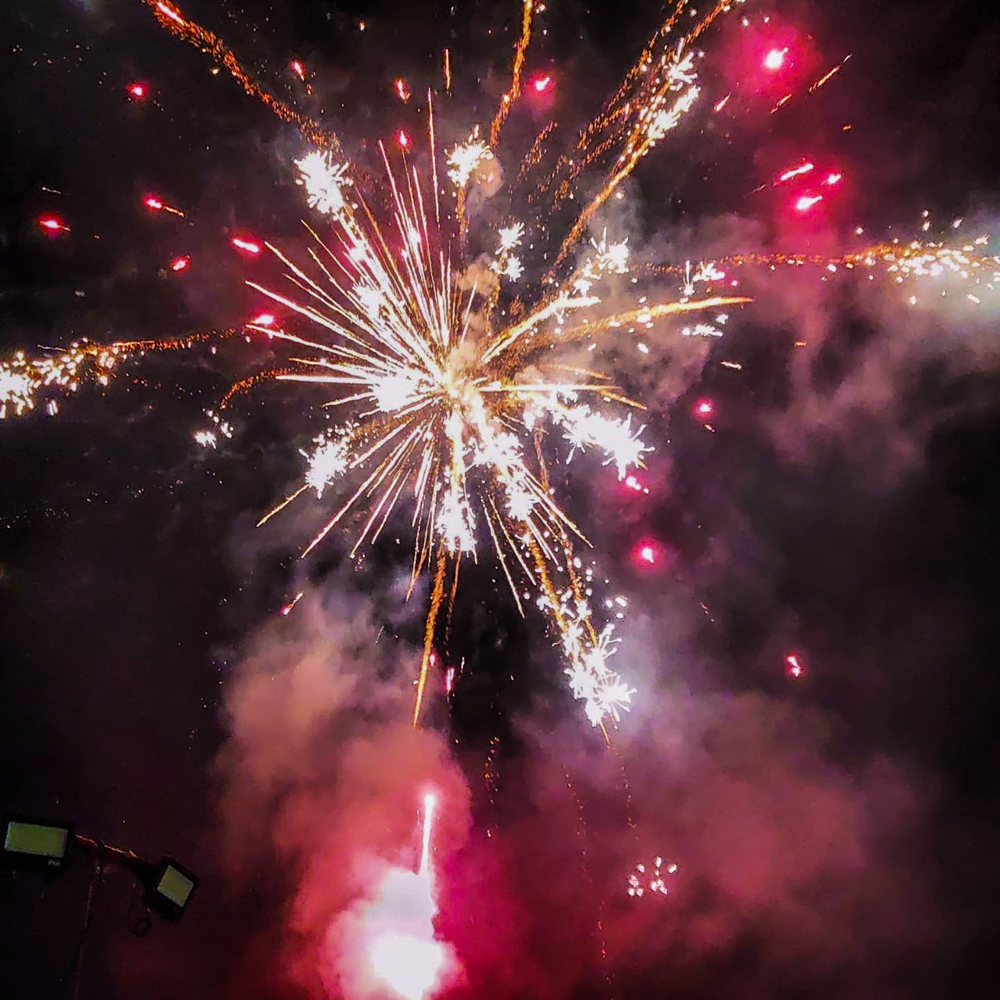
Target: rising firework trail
point(398, 927)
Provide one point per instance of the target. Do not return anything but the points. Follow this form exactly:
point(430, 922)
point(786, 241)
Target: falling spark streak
point(155, 204)
point(248, 245)
point(514, 91)
point(23, 380)
point(803, 168)
point(170, 17)
point(52, 224)
point(826, 77)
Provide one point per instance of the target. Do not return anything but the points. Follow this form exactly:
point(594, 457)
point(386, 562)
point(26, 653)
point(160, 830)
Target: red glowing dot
point(263, 319)
point(298, 69)
point(647, 554)
point(53, 224)
point(180, 263)
point(542, 83)
point(137, 90)
point(153, 203)
point(794, 668)
point(704, 408)
point(402, 89)
point(807, 201)
point(403, 139)
point(775, 59)
point(247, 245)
point(633, 484)
point(833, 179)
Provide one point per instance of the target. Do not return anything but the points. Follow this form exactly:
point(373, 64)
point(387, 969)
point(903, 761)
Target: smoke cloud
point(323, 776)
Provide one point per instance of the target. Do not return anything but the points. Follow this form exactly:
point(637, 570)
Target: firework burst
point(454, 387)
point(448, 412)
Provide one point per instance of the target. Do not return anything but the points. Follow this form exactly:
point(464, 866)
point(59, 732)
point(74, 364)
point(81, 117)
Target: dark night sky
point(845, 507)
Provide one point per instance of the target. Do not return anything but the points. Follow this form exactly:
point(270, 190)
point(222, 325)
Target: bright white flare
point(403, 952)
point(466, 157)
point(324, 182)
point(510, 237)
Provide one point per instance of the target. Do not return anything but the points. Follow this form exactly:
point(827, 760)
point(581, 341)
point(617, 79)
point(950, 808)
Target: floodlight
point(169, 888)
point(36, 844)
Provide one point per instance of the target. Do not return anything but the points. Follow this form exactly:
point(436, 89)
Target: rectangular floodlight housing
point(169, 888)
point(36, 843)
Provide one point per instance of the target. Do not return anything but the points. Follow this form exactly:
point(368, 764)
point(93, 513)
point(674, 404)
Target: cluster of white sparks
point(208, 437)
point(651, 879)
point(21, 377)
point(466, 157)
point(674, 98)
point(324, 181)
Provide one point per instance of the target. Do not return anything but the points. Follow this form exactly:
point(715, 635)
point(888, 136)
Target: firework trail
point(398, 927)
point(170, 16)
point(514, 91)
point(24, 379)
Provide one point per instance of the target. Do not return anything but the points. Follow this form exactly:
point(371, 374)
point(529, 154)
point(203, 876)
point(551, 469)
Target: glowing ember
point(180, 264)
point(249, 246)
point(832, 179)
point(169, 11)
point(402, 89)
point(807, 201)
point(802, 168)
point(263, 319)
point(137, 90)
point(287, 609)
point(156, 204)
point(647, 554)
point(542, 83)
point(298, 69)
point(794, 668)
point(403, 139)
point(53, 224)
point(775, 59)
point(704, 408)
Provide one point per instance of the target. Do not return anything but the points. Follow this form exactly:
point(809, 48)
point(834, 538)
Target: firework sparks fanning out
point(448, 417)
point(450, 396)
